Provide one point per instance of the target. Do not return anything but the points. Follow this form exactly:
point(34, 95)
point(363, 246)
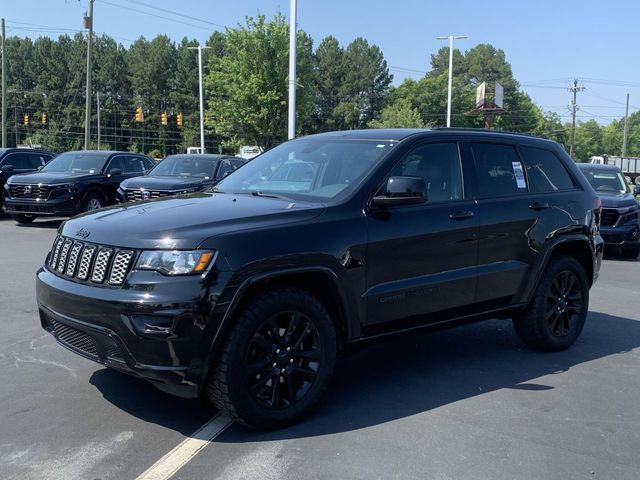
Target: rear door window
point(545, 171)
point(133, 165)
point(37, 160)
point(20, 161)
point(500, 170)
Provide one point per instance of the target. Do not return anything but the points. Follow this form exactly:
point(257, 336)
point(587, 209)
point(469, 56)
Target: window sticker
point(519, 173)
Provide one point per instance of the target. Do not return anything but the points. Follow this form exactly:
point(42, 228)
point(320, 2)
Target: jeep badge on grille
point(82, 233)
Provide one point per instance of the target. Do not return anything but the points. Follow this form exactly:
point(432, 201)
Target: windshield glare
point(309, 169)
point(606, 181)
point(185, 166)
point(76, 162)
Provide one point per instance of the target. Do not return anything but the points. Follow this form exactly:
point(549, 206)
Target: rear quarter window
point(545, 170)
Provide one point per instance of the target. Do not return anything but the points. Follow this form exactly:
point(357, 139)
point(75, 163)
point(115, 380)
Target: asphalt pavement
point(466, 403)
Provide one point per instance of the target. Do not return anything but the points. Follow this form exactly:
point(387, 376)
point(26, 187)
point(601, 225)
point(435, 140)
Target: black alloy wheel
point(564, 303)
point(557, 311)
point(277, 360)
point(283, 359)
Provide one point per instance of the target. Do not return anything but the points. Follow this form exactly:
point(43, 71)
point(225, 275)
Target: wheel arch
point(319, 281)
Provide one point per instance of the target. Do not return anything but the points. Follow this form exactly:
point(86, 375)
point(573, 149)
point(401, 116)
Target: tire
point(24, 219)
point(556, 314)
point(631, 252)
point(92, 201)
point(251, 355)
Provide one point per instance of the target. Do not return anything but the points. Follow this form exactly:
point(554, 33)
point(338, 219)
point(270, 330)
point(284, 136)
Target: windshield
point(309, 169)
point(606, 181)
point(185, 166)
point(77, 162)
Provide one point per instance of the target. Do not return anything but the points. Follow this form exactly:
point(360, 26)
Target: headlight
point(71, 187)
point(175, 262)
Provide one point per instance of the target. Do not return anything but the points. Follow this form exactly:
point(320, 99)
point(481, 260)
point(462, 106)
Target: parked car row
point(35, 185)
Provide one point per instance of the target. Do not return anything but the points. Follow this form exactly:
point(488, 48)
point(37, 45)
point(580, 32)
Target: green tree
point(399, 114)
point(588, 140)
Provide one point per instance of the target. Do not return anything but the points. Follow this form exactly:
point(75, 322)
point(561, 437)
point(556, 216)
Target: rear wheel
point(631, 252)
point(24, 219)
point(277, 361)
point(557, 312)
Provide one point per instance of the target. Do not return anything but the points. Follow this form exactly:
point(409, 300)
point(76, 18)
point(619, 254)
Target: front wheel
point(557, 312)
point(24, 219)
point(92, 201)
point(277, 360)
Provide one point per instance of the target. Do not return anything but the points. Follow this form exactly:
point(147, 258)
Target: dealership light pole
point(201, 94)
point(88, 23)
point(4, 88)
point(451, 38)
point(292, 68)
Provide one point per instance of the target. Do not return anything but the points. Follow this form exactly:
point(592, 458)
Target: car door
point(421, 259)
point(513, 223)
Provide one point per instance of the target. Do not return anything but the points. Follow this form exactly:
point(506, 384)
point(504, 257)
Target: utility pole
point(451, 38)
point(4, 88)
point(624, 135)
point(88, 23)
point(98, 107)
point(574, 108)
point(201, 93)
point(293, 15)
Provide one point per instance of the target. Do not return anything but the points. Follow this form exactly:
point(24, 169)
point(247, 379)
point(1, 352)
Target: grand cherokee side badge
point(82, 233)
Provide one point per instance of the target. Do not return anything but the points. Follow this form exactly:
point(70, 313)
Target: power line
point(177, 13)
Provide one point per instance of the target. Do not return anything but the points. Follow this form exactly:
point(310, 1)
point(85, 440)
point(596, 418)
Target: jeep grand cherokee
point(246, 294)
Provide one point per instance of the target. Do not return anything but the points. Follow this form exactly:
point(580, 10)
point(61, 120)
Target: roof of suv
point(398, 134)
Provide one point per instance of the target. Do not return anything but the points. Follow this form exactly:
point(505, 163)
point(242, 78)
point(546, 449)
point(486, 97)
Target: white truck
point(630, 166)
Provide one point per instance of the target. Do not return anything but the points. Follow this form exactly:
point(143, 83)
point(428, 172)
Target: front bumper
point(63, 207)
point(153, 327)
point(625, 235)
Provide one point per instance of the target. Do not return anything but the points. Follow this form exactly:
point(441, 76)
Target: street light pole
point(451, 38)
point(293, 13)
point(201, 94)
point(4, 88)
point(87, 113)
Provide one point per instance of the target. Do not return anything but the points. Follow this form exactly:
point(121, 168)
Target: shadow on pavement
point(401, 377)
point(39, 222)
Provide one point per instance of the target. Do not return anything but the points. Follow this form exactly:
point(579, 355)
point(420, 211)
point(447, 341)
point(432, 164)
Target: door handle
point(539, 205)
point(461, 214)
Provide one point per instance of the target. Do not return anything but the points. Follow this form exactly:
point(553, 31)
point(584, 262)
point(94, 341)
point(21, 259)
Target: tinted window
point(500, 171)
point(37, 160)
point(77, 162)
point(225, 168)
point(545, 170)
point(133, 165)
point(147, 163)
point(186, 165)
point(237, 163)
point(439, 165)
point(116, 162)
point(20, 161)
point(606, 180)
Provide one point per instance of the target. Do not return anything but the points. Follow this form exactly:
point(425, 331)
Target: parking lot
point(470, 402)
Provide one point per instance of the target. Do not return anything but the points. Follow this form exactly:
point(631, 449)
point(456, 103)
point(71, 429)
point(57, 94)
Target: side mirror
point(7, 168)
point(402, 191)
point(115, 171)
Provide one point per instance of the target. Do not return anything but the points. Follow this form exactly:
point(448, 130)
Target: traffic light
point(25, 119)
point(179, 119)
point(139, 115)
point(164, 118)
point(43, 118)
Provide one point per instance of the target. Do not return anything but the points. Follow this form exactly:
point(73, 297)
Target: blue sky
point(548, 43)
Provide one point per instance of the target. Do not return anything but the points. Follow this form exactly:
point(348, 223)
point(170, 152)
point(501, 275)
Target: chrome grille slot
point(134, 195)
point(29, 191)
point(101, 264)
point(64, 252)
point(55, 252)
point(120, 266)
point(74, 255)
point(85, 262)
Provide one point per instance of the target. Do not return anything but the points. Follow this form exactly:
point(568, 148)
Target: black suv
point(20, 160)
point(71, 183)
point(247, 293)
point(179, 174)
point(620, 223)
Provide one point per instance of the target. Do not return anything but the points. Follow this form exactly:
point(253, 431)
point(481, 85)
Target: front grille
point(75, 338)
point(29, 191)
point(609, 217)
point(90, 262)
point(135, 195)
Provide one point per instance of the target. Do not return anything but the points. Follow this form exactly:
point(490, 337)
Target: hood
point(617, 200)
point(52, 178)
point(149, 182)
point(184, 221)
